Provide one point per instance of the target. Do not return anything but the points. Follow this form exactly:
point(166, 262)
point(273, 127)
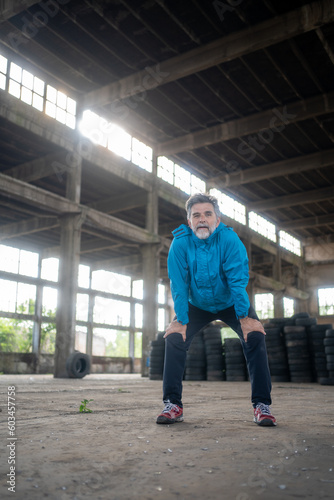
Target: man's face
point(203, 220)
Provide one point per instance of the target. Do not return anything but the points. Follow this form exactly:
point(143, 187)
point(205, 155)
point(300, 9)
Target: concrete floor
point(118, 452)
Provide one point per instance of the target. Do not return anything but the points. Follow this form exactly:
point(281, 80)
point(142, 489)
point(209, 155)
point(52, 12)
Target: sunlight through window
point(262, 226)
point(290, 243)
point(229, 206)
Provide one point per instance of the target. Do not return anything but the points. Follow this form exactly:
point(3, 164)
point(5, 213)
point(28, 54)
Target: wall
point(26, 363)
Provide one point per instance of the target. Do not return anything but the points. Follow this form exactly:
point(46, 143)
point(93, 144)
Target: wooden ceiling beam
point(270, 32)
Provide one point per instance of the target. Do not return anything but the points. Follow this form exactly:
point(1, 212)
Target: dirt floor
point(118, 452)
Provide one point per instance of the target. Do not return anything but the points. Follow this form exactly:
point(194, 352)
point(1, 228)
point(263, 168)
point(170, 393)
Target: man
point(208, 271)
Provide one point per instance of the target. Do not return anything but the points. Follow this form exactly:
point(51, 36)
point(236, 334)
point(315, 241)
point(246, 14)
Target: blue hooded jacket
point(211, 274)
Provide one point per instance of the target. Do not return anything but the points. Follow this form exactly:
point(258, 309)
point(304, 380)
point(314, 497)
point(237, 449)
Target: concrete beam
point(273, 285)
point(54, 203)
point(116, 263)
point(126, 201)
point(39, 168)
point(274, 120)
point(302, 198)
point(225, 49)
point(10, 8)
point(272, 170)
point(318, 220)
point(27, 226)
point(79, 147)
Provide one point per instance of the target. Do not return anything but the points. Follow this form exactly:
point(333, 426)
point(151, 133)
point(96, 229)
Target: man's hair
point(202, 198)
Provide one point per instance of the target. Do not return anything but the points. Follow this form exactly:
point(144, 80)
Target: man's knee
point(176, 340)
point(255, 340)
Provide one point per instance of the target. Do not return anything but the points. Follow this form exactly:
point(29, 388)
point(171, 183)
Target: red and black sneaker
point(263, 416)
point(170, 414)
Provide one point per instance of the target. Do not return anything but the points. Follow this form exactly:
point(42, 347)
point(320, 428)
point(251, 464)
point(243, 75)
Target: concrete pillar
point(278, 296)
point(91, 303)
point(150, 255)
point(70, 225)
point(37, 327)
point(150, 309)
point(250, 286)
point(68, 283)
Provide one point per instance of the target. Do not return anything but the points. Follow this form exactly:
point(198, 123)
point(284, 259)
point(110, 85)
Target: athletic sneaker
point(170, 414)
point(263, 416)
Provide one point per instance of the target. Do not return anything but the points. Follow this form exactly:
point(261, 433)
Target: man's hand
point(176, 327)
point(250, 325)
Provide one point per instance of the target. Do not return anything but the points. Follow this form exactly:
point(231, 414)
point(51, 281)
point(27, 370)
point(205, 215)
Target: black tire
point(306, 321)
point(330, 333)
point(328, 341)
point(78, 365)
point(320, 328)
point(329, 349)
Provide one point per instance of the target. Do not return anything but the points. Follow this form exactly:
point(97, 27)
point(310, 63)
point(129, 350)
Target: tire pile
point(157, 357)
point(299, 359)
point(196, 359)
point(277, 356)
point(214, 353)
point(329, 352)
point(235, 363)
point(301, 355)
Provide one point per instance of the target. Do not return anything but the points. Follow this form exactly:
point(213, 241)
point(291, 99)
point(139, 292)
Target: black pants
point(254, 350)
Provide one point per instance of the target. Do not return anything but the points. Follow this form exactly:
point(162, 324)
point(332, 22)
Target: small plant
point(83, 407)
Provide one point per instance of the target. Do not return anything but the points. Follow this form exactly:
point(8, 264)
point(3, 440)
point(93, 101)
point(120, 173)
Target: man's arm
point(179, 280)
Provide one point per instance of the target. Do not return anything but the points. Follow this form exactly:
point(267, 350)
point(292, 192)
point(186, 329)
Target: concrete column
point(68, 283)
point(250, 286)
point(150, 309)
point(150, 255)
point(278, 296)
point(68, 274)
point(37, 327)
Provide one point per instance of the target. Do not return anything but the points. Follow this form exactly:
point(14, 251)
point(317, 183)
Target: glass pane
point(27, 79)
point(9, 259)
point(49, 301)
point(50, 269)
point(2, 82)
point(82, 307)
point(3, 64)
point(138, 316)
point(14, 89)
point(107, 281)
point(48, 338)
point(50, 109)
point(26, 297)
point(51, 94)
point(39, 86)
point(26, 95)
point(138, 289)
point(8, 295)
point(37, 102)
point(83, 276)
point(15, 72)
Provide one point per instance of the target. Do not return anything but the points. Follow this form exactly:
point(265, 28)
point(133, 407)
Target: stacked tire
point(329, 351)
point(157, 356)
point(317, 335)
point(277, 356)
point(214, 353)
point(297, 346)
point(235, 363)
point(196, 359)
